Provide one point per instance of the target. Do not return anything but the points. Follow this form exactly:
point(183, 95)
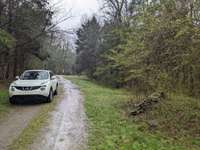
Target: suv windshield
point(35, 75)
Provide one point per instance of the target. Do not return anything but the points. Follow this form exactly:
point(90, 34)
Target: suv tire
point(50, 97)
point(12, 101)
point(56, 91)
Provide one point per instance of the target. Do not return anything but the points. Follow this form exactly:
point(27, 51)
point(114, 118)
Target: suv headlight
point(12, 88)
point(43, 87)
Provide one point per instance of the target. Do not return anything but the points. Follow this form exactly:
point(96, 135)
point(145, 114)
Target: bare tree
point(115, 9)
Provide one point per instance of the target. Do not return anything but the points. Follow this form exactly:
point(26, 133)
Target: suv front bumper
point(33, 93)
point(24, 98)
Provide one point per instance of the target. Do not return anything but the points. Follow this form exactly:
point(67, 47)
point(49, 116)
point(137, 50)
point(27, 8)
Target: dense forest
point(147, 45)
point(29, 39)
point(143, 44)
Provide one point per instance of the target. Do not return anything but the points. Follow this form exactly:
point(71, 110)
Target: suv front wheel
point(12, 101)
point(50, 97)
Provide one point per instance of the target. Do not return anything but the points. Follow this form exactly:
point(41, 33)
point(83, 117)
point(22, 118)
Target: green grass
point(4, 103)
point(178, 117)
point(109, 126)
point(30, 133)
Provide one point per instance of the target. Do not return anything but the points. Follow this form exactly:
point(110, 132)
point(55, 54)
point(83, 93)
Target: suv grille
point(30, 88)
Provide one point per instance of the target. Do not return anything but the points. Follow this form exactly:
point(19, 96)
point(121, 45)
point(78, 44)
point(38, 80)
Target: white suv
point(33, 84)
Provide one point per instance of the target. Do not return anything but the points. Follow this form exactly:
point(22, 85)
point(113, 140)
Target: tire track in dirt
point(66, 128)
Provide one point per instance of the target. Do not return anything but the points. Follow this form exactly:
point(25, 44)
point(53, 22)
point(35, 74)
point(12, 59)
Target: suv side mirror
point(53, 77)
point(17, 77)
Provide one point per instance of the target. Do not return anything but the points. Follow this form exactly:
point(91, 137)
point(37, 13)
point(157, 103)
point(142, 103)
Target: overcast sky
point(78, 8)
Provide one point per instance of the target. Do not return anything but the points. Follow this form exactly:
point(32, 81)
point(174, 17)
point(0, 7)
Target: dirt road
point(15, 122)
point(66, 129)
point(67, 124)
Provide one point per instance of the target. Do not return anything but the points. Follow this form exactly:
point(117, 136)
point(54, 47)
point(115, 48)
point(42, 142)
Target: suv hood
point(29, 82)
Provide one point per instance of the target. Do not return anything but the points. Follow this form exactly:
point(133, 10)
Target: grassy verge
point(4, 103)
point(110, 129)
point(29, 134)
point(177, 117)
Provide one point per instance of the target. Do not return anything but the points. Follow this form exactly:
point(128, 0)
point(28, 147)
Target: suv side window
point(51, 75)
